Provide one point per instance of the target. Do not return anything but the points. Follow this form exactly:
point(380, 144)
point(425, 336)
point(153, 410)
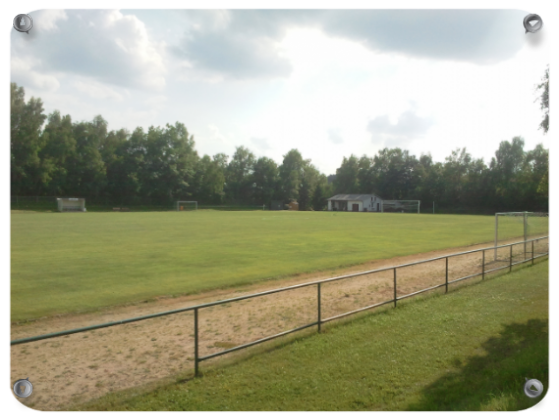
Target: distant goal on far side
point(187, 205)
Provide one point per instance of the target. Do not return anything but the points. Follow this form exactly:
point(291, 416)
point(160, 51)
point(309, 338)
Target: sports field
point(62, 263)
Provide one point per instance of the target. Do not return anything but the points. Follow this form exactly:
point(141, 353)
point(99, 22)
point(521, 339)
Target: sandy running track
point(79, 367)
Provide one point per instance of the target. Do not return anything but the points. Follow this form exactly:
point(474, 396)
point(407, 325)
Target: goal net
point(519, 226)
point(187, 205)
point(400, 206)
point(70, 204)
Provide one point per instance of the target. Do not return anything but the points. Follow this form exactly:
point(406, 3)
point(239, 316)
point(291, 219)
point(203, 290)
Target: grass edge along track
point(76, 263)
point(468, 350)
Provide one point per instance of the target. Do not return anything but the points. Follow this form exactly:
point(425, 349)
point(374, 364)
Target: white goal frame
point(524, 215)
point(70, 204)
point(187, 202)
point(396, 202)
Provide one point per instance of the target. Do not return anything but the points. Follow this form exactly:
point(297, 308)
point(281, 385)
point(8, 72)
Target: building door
point(355, 207)
point(378, 206)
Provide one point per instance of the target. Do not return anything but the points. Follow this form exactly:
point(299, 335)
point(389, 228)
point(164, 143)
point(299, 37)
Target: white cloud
point(335, 136)
point(261, 143)
point(47, 20)
point(24, 75)
point(409, 127)
point(97, 90)
point(111, 48)
point(216, 135)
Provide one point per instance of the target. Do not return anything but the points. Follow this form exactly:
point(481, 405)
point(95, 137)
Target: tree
point(209, 180)
point(86, 174)
point(170, 163)
point(309, 179)
point(238, 175)
point(393, 174)
point(455, 175)
point(115, 154)
point(265, 180)
point(347, 177)
point(322, 192)
point(547, 100)
point(536, 177)
point(506, 167)
point(59, 148)
point(546, 184)
point(28, 175)
point(291, 172)
point(365, 178)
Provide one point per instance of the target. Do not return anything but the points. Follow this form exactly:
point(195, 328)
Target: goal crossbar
point(408, 204)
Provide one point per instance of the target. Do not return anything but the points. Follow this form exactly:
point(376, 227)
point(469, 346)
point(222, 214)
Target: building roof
point(356, 197)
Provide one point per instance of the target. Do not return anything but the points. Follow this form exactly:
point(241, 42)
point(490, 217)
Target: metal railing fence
point(319, 320)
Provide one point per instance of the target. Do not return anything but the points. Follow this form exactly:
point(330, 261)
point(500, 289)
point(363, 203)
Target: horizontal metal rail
point(262, 340)
point(423, 290)
point(466, 277)
point(357, 310)
point(98, 326)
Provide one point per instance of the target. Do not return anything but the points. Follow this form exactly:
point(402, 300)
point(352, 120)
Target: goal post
point(519, 225)
point(187, 205)
point(401, 206)
point(70, 204)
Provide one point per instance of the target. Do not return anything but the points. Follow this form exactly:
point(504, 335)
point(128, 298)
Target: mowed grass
point(63, 263)
point(468, 350)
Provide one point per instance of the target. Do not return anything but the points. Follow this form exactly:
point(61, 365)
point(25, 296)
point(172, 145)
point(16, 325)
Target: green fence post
point(319, 309)
point(395, 293)
point(446, 277)
point(196, 361)
point(510, 258)
point(532, 252)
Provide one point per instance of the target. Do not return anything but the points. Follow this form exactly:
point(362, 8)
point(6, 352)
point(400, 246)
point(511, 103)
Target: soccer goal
point(519, 226)
point(400, 206)
point(71, 204)
point(187, 205)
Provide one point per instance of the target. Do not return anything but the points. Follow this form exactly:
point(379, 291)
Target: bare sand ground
point(75, 368)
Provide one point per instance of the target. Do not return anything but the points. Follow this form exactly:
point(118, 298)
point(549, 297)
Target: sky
point(330, 83)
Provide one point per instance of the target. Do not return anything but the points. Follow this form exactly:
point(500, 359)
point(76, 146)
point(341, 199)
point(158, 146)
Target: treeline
point(54, 156)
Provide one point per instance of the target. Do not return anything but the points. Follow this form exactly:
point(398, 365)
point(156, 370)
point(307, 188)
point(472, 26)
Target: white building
point(355, 202)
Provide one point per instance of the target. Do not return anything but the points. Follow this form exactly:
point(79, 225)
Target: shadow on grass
point(495, 380)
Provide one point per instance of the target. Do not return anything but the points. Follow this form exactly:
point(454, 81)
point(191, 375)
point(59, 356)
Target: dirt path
point(83, 366)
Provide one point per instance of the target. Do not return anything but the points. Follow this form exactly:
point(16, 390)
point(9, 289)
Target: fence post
point(395, 293)
point(446, 277)
point(532, 252)
point(319, 311)
point(483, 266)
point(196, 342)
point(496, 233)
point(510, 258)
point(525, 233)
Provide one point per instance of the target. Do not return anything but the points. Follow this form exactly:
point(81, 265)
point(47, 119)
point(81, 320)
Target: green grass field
point(63, 263)
point(468, 350)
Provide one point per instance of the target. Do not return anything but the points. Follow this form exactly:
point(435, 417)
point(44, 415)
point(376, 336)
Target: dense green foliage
point(468, 350)
point(79, 262)
point(161, 165)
